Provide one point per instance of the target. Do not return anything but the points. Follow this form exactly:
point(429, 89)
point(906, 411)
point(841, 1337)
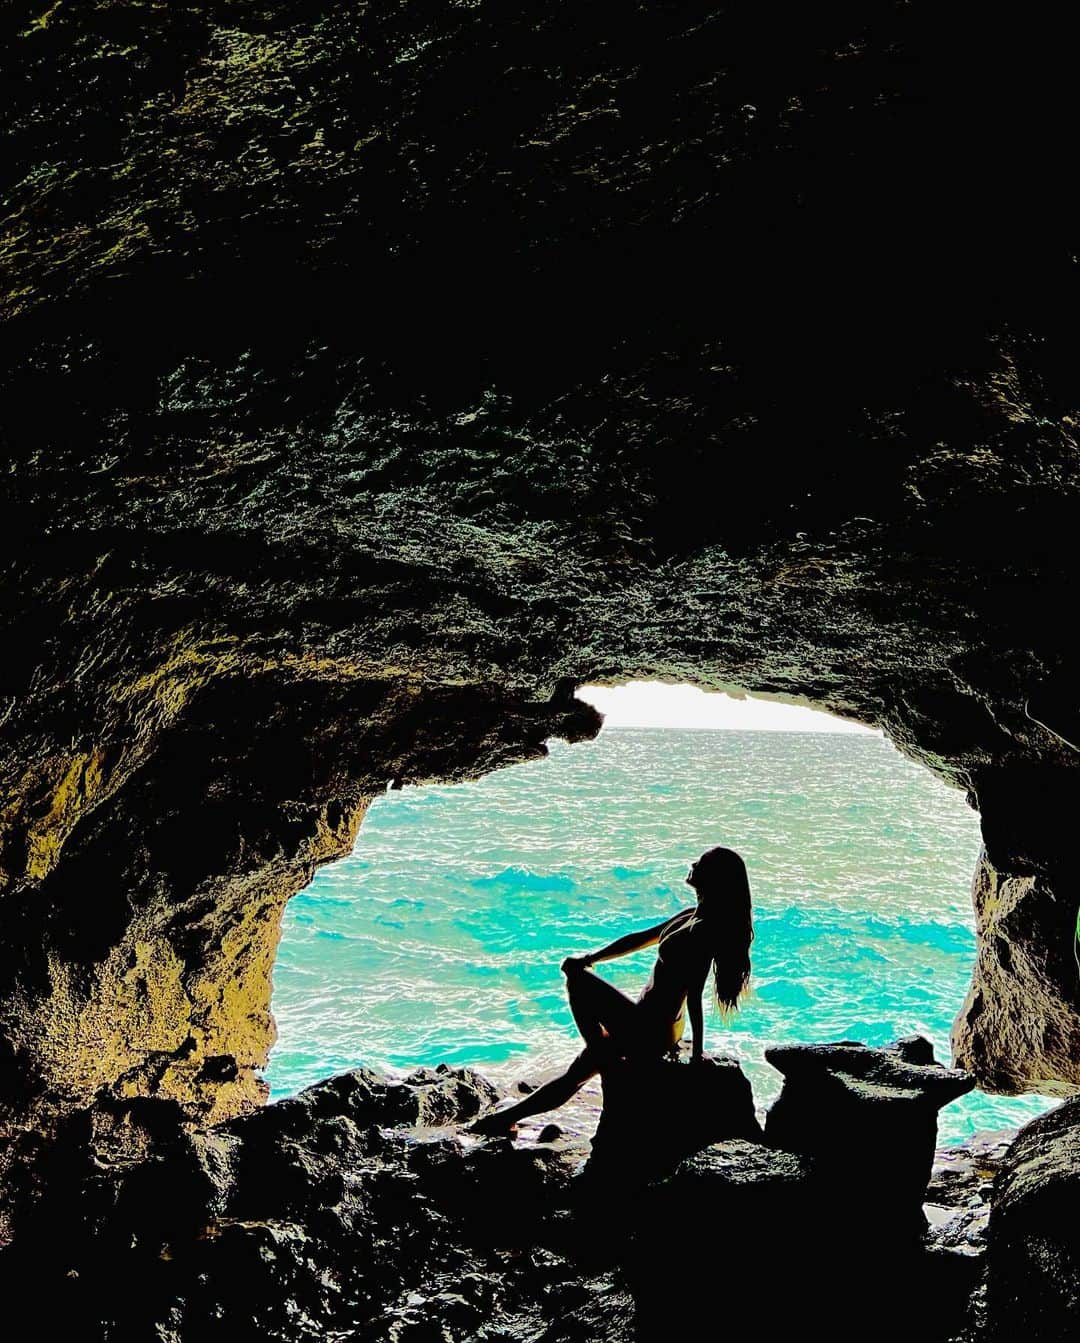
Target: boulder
point(657, 1113)
point(1019, 1027)
point(1033, 1240)
point(868, 1118)
point(712, 1238)
point(746, 1229)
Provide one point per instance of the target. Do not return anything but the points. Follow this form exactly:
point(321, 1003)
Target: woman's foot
point(494, 1124)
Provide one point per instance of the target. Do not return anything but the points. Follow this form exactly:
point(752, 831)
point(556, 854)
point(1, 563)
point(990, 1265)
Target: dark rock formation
point(333, 1210)
point(147, 962)
point(959, 1193)
point(748, 1236)
point(958, 1211)
point(1033, 1242)
point(361, 1210)
point(844, 1104)
point(1020, 1023)
point(655, 1114)
point(715, 1240)
point(374, 374)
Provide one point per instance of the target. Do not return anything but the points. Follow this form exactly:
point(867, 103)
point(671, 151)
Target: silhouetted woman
point(715, 932)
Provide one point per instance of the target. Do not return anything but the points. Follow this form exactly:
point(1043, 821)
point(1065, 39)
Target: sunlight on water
point(440, 938)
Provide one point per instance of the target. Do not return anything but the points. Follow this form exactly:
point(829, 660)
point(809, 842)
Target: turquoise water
point(439, 939)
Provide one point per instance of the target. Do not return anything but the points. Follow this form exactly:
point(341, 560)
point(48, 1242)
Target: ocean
point(439, 939)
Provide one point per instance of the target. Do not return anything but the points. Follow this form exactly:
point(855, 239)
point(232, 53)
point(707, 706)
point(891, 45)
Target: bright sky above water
point(655, 704)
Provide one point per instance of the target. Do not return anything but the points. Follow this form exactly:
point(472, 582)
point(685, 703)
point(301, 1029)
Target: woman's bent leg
point(548, 1097)
point(610, 1025)
point(602, 1012)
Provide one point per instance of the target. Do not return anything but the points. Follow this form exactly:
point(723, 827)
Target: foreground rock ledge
point(360, 1209)
point(844, 1104)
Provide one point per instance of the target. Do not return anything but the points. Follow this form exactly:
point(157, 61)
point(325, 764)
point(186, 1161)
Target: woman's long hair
point(724, 907)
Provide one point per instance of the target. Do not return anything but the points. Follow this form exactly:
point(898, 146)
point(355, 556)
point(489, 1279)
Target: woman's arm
point(697, 1018)
point(622, 946)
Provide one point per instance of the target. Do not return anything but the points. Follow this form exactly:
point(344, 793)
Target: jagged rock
point(655, 1114)
point(427, 1097)
point(743, 1223)
point(844, 1104)
point(1033, 1241)
point(1017, 1030)
point(743, 1181)
point(334, 1208)
point(501, 1190)
point(957, 1202)
point(723, 1231)
point(317, 1218)
point(592, 1308)
point(444, 1095)
point(957, 1208)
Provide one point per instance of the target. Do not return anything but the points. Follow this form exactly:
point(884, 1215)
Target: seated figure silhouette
point(715, 932)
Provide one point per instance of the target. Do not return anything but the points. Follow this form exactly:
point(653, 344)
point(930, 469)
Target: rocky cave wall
point(375, 374)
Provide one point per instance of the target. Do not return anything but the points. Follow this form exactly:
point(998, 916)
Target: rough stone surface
point(1020, 1023)
point(957, 1209)
point(1033, 1241)
point(333, 1214)
point(841, 1104)
point(344, 1214)
point(958, 1196)
point(743, 1226)
point(656, 1114)
point(374, 374)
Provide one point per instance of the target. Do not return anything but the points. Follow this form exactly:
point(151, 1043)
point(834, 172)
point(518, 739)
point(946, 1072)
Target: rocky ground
point(362, 1209)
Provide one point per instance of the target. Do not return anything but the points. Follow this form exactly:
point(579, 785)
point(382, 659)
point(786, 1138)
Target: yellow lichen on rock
point(86, 1032)
point(79, 785)
point(45, 810)
point(180, 1018)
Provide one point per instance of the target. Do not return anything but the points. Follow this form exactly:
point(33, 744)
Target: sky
point(654, 704)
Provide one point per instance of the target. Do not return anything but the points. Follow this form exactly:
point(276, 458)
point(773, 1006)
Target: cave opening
point(439, 938)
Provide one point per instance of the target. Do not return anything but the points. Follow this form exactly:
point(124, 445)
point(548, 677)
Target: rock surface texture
point(361, 1210)
point(1016, 1029)
point(656, 1113)
point(743, 1231)
point(349, 1207)
point(842, 1104)
point(1033, 1241)
point(373, 375)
